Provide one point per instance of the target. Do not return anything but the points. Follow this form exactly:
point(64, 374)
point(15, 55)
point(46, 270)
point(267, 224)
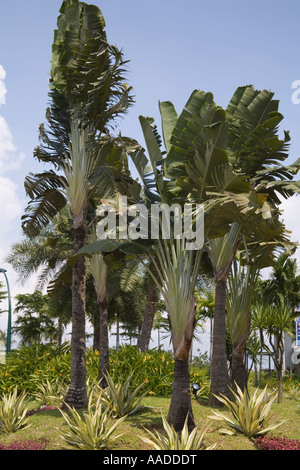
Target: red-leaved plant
point(25, 444)
point(277, 443)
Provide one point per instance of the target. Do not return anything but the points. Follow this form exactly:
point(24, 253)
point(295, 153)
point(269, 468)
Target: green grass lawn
point(45, 424)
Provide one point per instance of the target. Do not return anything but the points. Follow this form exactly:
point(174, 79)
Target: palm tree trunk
point(77, 394)
point(59, 332)
point(181, 404)
point(103, 341)
point(96, 324)
point(118, 335)
point(219, 370)
point(146, 328)
point(239, 373)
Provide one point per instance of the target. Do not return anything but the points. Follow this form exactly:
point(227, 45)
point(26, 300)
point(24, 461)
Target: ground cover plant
point(47, 425)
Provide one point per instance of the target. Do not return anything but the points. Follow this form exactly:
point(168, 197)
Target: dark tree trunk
point(219, 370)
point(59, 332)
point(146, 328)
point(77, 394)
point(181, 404)
point(239, 372)
point(103, 342)
point(96, 340)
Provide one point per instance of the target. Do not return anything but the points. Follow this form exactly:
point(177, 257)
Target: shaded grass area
point(47, 423)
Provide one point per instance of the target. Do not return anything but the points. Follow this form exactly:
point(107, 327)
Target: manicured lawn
point(46, 424)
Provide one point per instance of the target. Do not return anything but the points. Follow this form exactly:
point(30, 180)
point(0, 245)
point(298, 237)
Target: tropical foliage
point(13, 411)
point(249, 414)
point(123, 399)
point(230, 162)
point(90, 431)
point(178, 441)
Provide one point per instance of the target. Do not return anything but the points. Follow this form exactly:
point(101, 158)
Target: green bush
point(155, 368)
point(29, 367)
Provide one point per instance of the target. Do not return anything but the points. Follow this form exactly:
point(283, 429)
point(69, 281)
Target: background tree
point(33, 324)
point(283, 282)
point(272, 321)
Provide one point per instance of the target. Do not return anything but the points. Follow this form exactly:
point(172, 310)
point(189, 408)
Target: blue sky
point(174, 47)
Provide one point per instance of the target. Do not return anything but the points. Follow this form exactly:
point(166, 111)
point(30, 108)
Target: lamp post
point(8, 340)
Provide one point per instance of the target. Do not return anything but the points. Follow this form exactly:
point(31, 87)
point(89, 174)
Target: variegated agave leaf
point(174, 440)
point(249, 414)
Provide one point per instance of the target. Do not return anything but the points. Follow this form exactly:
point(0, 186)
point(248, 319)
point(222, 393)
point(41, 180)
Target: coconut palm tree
point(87, 92)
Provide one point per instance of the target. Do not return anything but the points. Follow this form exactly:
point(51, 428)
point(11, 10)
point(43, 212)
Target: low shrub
point(154, 367)
point(33, 367)
point(277, 443)
point(25, 444)
point(27, 367)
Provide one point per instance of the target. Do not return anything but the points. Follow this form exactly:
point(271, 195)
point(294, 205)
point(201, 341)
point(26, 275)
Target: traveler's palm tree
point(87, 92)
point(200, 164)
point(177, 268)
point(246, 137)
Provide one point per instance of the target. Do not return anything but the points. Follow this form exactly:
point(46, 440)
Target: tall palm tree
point(87, 91)
point(245, 136)
point(177, 269)
point(45, 254)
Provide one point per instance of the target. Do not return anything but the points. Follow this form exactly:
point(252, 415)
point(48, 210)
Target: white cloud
point(10, 160)
point(3, 90)
point(10, 207)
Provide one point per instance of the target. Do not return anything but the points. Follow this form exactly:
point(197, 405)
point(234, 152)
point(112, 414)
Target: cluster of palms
point(230, 161)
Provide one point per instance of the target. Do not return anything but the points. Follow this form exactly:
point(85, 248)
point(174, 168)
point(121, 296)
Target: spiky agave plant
point(51, 393)
point(91, 430)
point(122, 399)
point(13, 412)
point(174, 440)
point(249, 414)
